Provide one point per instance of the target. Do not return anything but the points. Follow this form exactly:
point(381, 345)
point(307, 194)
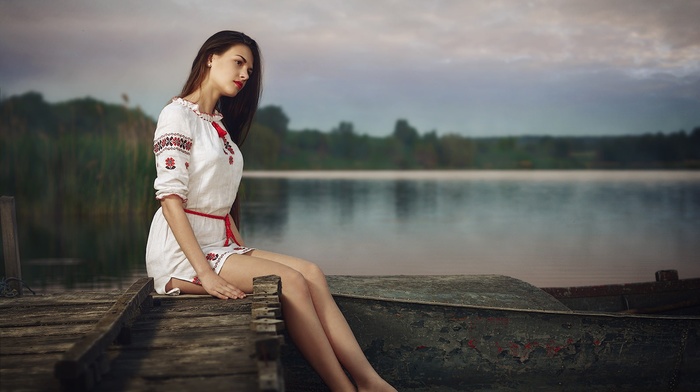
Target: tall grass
point(82, 158)
point(77, 175)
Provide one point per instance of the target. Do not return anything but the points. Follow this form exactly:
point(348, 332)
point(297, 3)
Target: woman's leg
point(336, 328)
point(299, 312)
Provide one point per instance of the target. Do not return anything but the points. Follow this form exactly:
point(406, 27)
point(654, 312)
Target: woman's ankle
point(375, 383)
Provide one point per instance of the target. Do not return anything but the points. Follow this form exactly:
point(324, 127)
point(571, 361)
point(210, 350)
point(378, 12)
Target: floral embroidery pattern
point(169, 163)
point(230, 160)
point(187, 165)
point(172, 141)
point(214, 257)
point(196, 280)
point(228, 147)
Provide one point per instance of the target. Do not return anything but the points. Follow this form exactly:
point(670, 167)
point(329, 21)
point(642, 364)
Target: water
point(547, 228)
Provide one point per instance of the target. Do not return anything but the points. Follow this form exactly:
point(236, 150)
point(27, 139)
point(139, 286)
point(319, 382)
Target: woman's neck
point(206, 100)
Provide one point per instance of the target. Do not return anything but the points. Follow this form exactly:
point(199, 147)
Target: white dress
point(204, 170)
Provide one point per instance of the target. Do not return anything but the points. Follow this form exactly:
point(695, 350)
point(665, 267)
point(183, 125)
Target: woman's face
point(230, 71)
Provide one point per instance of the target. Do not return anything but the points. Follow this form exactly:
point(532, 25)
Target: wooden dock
point(137, 341)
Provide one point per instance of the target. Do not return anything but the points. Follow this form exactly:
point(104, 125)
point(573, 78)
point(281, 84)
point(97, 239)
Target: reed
point(78, 175)
point(79, 158)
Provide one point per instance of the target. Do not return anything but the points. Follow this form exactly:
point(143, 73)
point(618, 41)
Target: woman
point(194, 246)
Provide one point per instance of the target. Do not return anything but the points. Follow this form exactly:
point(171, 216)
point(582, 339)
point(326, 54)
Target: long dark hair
point(238, 111)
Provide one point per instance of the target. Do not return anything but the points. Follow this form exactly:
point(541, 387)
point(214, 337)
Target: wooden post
point(83, 364)
point(266, 321)
point(666, 275)
point(10, 243)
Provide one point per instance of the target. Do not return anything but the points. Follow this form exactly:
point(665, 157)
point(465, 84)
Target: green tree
point(457, 151)
point(342, 141)
point(262, 149)
point(273, 117)
point(406, 137)
point(405, 133)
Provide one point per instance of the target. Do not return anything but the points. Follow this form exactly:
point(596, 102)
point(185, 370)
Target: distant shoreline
point(447, 175)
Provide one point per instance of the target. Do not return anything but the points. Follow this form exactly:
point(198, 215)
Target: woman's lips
point(238, 84)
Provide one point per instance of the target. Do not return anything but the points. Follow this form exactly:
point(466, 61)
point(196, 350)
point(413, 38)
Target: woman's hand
point(220, 288)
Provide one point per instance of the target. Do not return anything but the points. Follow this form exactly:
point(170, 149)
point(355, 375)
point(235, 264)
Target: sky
point(470, 67)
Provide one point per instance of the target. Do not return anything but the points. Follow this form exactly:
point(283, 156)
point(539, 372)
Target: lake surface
point(549, 228)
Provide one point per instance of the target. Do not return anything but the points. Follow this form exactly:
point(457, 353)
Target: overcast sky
point(478, 68)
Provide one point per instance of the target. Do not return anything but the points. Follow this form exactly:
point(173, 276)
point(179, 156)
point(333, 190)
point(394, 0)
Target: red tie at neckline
point(227, 223)
point(222, 132)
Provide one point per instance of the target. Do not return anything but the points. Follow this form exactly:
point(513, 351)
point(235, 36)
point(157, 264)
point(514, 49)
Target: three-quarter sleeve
point(172, 145)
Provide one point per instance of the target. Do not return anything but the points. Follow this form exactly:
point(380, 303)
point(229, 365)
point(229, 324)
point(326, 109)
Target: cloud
point(505, 66)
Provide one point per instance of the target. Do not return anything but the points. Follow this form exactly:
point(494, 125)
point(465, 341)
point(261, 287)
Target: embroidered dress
point(197, 161)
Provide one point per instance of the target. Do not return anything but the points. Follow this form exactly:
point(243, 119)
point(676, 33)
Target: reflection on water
point(547, 228)
point(102, 252)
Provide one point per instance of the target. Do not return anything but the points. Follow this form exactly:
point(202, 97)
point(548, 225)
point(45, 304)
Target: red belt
point(227, 222)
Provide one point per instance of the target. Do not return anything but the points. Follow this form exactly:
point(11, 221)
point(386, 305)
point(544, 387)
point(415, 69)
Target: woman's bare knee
point(293, 282)
point(314, 274)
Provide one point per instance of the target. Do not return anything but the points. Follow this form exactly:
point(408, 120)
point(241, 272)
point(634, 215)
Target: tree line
point(86, 156)
point(272, 145)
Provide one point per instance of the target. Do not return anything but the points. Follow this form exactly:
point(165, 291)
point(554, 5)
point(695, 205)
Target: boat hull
point(501, 334)
point(448, 347)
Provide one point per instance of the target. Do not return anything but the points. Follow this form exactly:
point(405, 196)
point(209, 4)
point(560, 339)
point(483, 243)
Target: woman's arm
point(176, 217)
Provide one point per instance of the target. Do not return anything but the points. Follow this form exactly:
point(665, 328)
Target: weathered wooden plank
point(267, 348)
point(202, 340)
point(172, 315)
point(267, 285)
point(10, 243)
point(79, 358)
point(40, 304)
point(27, 383)
point(192, 342)
point(28, 372)
point(270, 376)
point(267, 312)
point(37, 362)
point(210, 383)
point(39, 335)
point(267, 325)
point(55, 317)
point(532, 350)
point(59, 300)
point(209, 361)
point(230, 321)
point(478, 290)
point(183, 339)
point(43, 330)
point(205, 302)
point(185, 308)
point(38, 344)
point(267, 321)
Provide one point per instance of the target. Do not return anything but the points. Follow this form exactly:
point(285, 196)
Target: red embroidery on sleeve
point(172, 141)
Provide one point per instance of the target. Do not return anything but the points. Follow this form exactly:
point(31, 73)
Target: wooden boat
point(496, 333)
point(666, 295)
